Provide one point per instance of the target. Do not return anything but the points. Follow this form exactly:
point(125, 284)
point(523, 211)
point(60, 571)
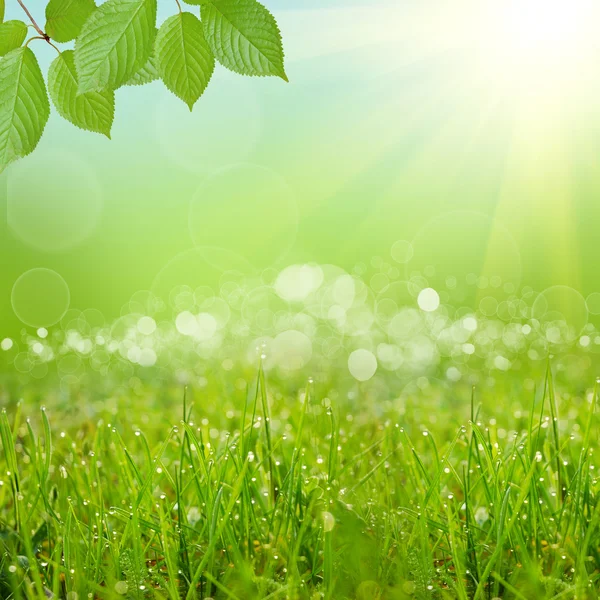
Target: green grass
point(281, 492)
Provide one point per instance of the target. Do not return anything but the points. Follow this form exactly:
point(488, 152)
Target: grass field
point(276, 490)
point(306, 435)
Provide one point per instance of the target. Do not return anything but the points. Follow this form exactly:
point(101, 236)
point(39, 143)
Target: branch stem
point(35, 25)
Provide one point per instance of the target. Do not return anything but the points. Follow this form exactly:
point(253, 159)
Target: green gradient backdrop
point(376, 134)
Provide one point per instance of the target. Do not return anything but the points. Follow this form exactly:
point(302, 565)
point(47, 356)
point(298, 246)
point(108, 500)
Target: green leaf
point(93, 111)
point(65, 18)
point(185, 62)
point(24, 106)
point(12, 35)
point(244, 37)
point(147, 74)
point(2, 10)
point(115, 43)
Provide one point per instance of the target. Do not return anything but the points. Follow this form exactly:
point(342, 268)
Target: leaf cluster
point(119, 43)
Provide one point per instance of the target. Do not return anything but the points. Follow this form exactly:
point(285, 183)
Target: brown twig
point(44, 38)
point(41, 32)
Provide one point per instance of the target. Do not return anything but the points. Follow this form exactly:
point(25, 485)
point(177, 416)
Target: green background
point(382, 131)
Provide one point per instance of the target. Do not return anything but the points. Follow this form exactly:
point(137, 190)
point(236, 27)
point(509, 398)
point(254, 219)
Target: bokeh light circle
point(428, 300)
point(260, 308)
point(402, 251)
point(296, 282)
point(593, 303)
point(362, 364)
point(40, 297)
point(53, 201)
point(561, 313)
point(398, 295)
point(291, 350)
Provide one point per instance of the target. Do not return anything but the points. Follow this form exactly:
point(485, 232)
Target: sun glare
point(551, 43)
point(546, 26)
